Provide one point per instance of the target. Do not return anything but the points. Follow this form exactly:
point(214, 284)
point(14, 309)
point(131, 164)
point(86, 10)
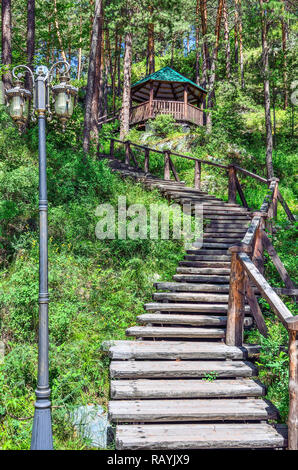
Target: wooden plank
point(190, 297)
point(189, 287)
point(190, 270)
point(198, 172)
point(200, 278)
point(277, 261)
point(293, 390)
point(171, 350)
point(167, 165)
point(190, 410)
point(146, 388)
point(194, 320)
point(234, 332)
point(232, 188)
point(199, 436)
point(174, 332)
point(241, 193)
point(255, 308)
point(266, 291)
point(176, 176)
point(192, 307)
point(291, 217)
point(180, 369)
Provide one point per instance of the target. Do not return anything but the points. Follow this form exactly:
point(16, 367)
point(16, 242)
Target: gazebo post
point(151, 100)
point(185, 100)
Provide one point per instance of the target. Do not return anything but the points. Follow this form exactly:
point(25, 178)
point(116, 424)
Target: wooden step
point(180, 369)
point(233, 240)
point(191, 307)
point(130, 389)
point(174, 332)
point(200, 278)
point(188, 287)
point(207, 257)
point(182, 319)
point(233, 409)
point(201, 251)
point(205, 264)
point(190, 297)
point(217, 245)
point(200, 436)
point(173, 350)
point(190, 270)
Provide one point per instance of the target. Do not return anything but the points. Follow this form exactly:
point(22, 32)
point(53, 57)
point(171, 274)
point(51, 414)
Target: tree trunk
point(240, 42)
point(197, 79)
point(206, 60)
point(284, 29)
point(6, 42)
point(151, 53)
point(119, 68)
point(227, 40)
point(236, 33)
point(124, 125)
point(58, 31)
point(30, 40)
point(80, 52)
point(96, 101)
point(265, 60)
point(213, 65)
point(91, 88)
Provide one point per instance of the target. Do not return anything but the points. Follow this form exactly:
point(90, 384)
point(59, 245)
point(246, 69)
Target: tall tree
point(265, 71)
point(124, 125)
point(92, 86)
point(227, 39)
point(284, 29)
point(6, 42)
point(214, 63)
point(30, 39)
point(151, 52)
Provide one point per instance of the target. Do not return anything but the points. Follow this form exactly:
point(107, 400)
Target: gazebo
point(167, 92)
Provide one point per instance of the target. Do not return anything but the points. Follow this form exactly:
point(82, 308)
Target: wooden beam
point(293, 391)
point(185, 100)
point(174, 170)
point(146, 162)
point(286, 207)
point(234, 331)
point(277, 261)
point(197, 182)
point(255, 308)
point(241, 193)
point(232, 184)
point(167, 165)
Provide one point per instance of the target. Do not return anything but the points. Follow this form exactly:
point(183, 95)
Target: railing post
point(127, 152)
point(234, 331)
point(258, 250)
point(146, 163)
point(197, 175)
point(112, 143)
point(167, 165)
point(293, 385)
point(232, 184)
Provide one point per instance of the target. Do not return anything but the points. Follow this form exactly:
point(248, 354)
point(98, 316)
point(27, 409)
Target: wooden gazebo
point(167, 92)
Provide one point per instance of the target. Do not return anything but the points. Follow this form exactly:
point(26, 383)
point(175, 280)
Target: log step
point(130, 389)
point(191, 307)
point(234, 409)
point(188, 287)
point(174, 332)
point(180, 369)
point(208, 257)
point(194, 320)
point(190, 297)
point(190, 270)
point(201, 251)
point(200, 278)
point(200, 436)
point(205, 264)
point(207, 239)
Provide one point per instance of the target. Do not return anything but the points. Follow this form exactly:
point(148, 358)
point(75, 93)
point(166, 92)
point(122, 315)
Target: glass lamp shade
point(18, 104)
point(64, 95)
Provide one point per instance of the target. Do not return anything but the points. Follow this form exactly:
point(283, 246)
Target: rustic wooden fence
point(247, 263)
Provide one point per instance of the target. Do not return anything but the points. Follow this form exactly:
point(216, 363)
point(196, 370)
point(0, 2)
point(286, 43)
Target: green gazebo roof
point(166, 74)
point(168, 84)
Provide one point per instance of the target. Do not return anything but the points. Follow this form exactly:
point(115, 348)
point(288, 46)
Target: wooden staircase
point(179, 386)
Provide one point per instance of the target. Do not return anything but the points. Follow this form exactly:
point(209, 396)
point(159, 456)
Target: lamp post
point(18, 101)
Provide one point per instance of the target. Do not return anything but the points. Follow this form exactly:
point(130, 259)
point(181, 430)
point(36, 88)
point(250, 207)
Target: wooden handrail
point(234, 184)
point(246, 273)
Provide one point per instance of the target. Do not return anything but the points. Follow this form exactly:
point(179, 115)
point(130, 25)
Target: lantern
point(64, 98)
point(18, 103)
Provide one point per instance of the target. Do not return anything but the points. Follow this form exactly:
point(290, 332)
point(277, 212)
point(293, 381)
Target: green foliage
point(163, 125)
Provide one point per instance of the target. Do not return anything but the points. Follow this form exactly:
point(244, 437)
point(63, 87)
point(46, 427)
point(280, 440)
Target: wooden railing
point(247, 263)
point(247, 279)
point(144, 111)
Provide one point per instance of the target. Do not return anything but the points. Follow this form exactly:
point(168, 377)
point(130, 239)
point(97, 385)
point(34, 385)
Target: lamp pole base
point(42, 428)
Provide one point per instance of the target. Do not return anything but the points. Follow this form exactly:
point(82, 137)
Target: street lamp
point(18, 102)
